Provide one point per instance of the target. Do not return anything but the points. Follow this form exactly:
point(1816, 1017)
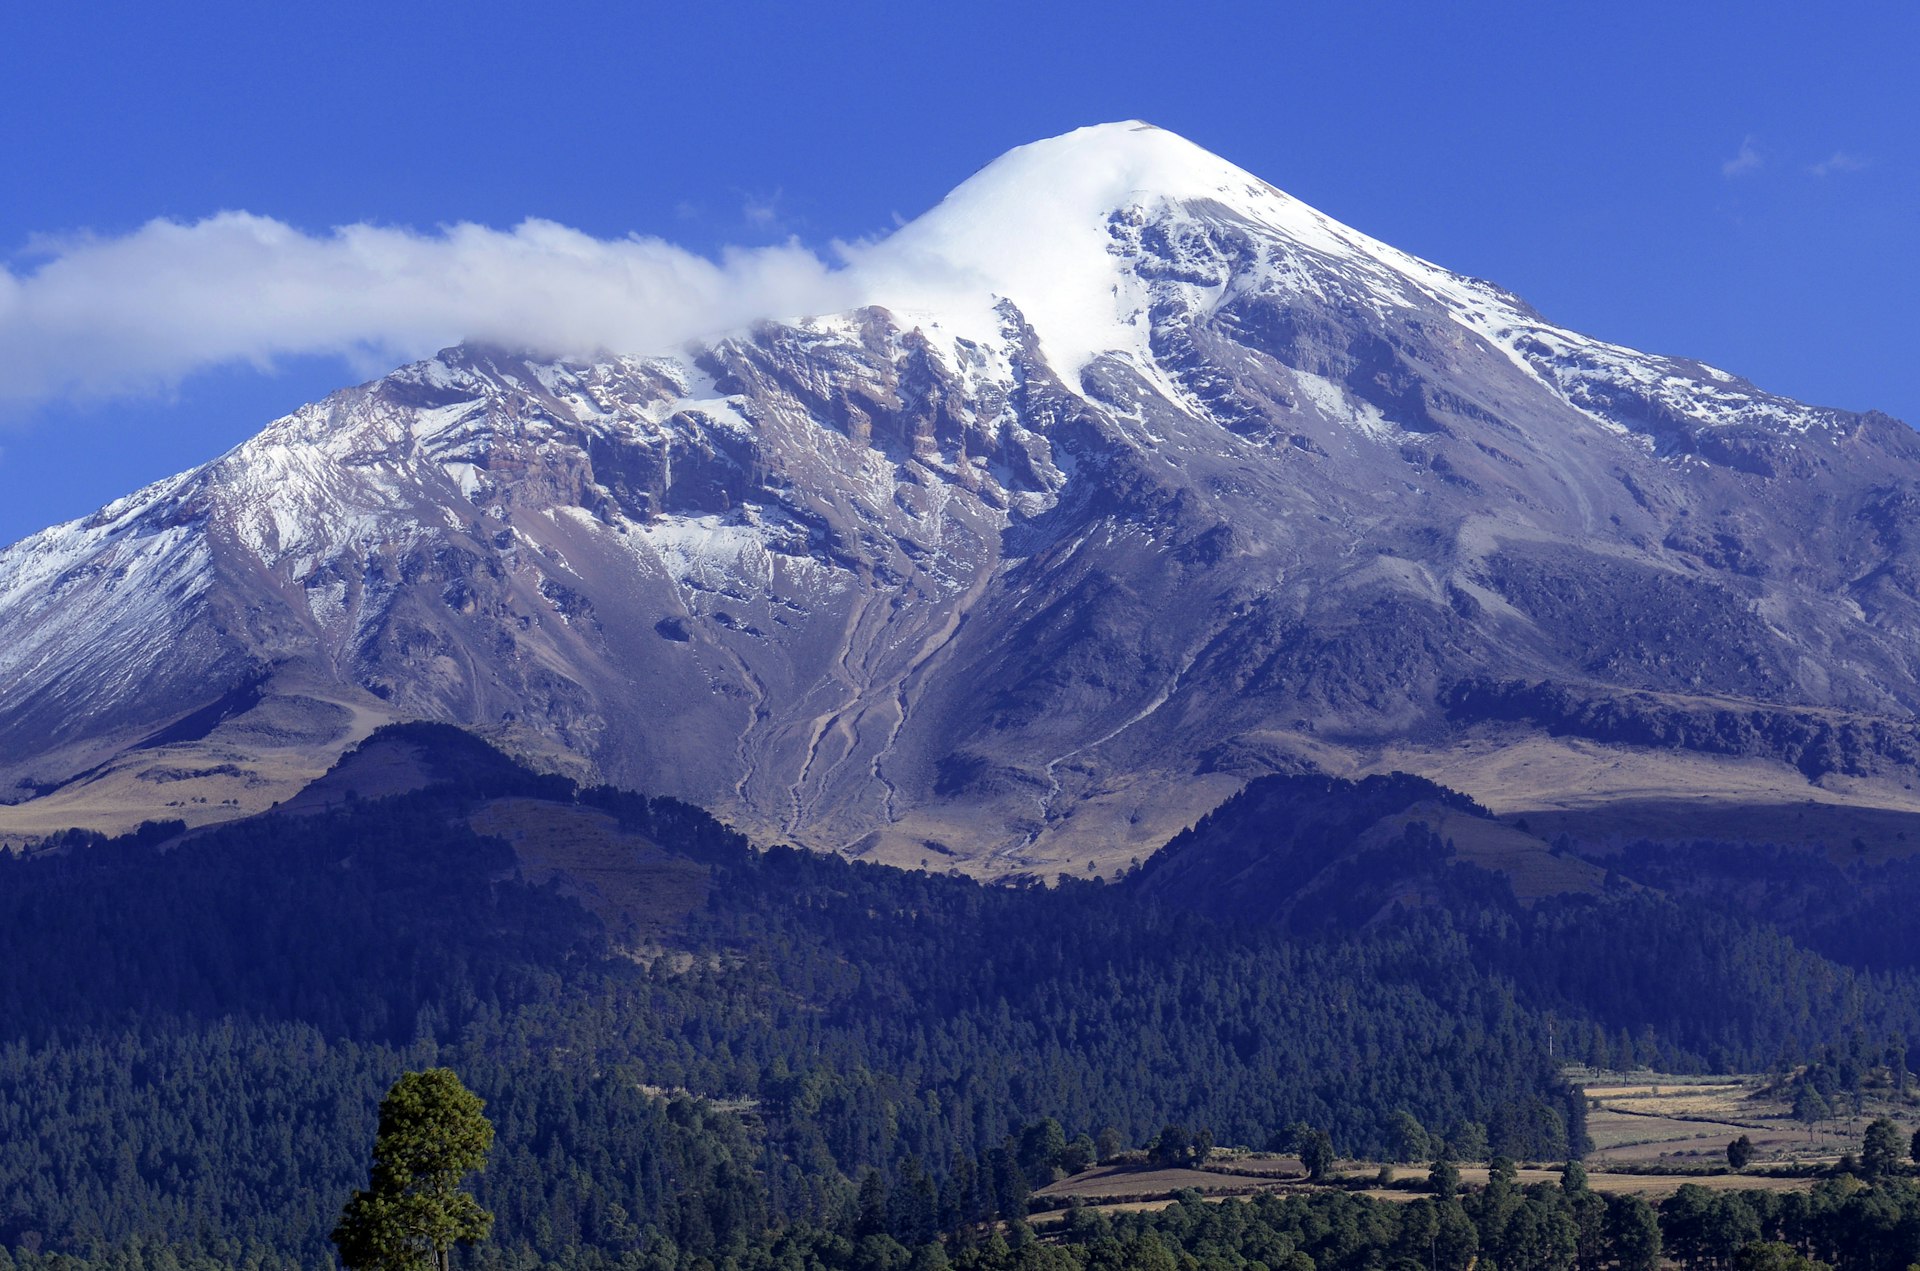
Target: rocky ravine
point(1137, 478)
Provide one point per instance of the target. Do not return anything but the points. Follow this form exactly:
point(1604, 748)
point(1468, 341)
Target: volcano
point(1130, 480)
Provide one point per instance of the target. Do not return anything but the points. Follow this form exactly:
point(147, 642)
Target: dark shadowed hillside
point(684, 1037)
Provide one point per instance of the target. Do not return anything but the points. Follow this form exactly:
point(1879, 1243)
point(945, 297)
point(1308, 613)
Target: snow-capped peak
point(1007, 213)
point(1033, 227)
point(1098, 234)
point(1037, 227)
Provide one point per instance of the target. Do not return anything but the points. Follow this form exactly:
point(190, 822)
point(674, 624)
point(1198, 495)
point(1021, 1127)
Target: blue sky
point(1738, 183)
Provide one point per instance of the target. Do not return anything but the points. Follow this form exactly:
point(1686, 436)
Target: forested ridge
point(197, 1029)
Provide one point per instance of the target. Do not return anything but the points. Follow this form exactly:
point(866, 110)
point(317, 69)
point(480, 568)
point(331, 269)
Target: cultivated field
point(1652, 1134)
point(1672, 1122)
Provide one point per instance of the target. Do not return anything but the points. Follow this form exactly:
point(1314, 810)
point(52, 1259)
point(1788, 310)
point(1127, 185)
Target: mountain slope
point(1135, 478)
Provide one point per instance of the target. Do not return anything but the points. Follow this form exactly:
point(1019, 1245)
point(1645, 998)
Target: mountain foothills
point(1133, 480)
point(697, 1054)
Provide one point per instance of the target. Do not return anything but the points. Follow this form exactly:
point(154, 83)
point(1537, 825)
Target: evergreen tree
point(1178, 1147)
point(1810, 1106)
point(1042, 1144)
point(1078, 1155)
point(1409, 1138)
point(1590, 1221)
point(872, 1216)
point(914, 1206)
point(1497, 1203)
point(1468, 1142)
point(433, 1133)
point(1458, 1242)
point(1633, 1233)
point(1316, 1152)
point(1774, 1256)
point(1880, 1153)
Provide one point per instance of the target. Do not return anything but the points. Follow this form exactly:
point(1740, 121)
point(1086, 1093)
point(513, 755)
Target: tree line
point(1841, 1224)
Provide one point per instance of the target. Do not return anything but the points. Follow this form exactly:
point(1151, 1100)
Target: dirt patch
point(1112, 1182)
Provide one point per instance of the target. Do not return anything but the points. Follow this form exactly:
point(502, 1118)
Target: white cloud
point(106, 316)
point(1839, 161)
point(762, 213)
point(1749, 159)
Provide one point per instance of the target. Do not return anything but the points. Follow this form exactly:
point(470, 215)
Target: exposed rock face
point(1137, 479)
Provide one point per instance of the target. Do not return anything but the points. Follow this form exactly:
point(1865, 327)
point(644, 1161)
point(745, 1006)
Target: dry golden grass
point(1113, 1190)
point(1113, 826)
point(1513, 770)
point(1669, 1122)
point(244, 766)
point(1118, 1180)
point(1601, 793)
point(1654, 1133)
point(1687, 1122)
point(1262, 1164)
point(638, 890)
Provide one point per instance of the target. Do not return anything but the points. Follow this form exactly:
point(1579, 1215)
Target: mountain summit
point(1134, 478)
point(1037, 228)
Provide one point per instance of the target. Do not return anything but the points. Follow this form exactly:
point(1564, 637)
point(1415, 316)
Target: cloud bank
point(113, 316)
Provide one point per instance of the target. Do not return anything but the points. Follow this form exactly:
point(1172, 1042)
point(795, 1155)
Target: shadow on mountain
point(1317, 853)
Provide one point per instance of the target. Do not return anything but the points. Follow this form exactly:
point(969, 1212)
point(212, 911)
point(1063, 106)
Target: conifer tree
point(1880, 1154)
point(433, 1133)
